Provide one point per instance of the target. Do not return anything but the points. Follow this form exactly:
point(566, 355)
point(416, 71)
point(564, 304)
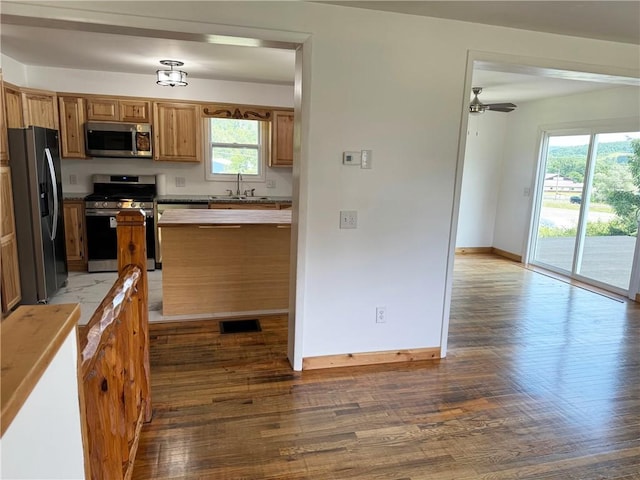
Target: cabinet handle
point(219, 226)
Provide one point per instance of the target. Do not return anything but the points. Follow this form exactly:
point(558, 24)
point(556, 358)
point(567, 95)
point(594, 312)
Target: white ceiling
point(86, 50)
point(40, 43)
point(617, 21)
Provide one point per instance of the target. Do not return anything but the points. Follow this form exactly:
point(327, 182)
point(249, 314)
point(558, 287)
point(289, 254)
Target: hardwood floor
point(542, 381)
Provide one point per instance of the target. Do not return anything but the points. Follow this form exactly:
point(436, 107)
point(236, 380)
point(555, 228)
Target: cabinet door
point(282, 139)
point(136, 111)
point(177, 133)
point(11, 293)
point(72, 119)
point(13, 101)
point(4, 147)
point(10, 287)
point(103, 109)
point(74, 231)
point(40, 110)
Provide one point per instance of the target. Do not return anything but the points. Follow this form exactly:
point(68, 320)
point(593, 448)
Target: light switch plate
point(366, 159)
point(180, 182)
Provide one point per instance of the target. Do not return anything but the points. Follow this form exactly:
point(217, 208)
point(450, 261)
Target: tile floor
point(88, 289)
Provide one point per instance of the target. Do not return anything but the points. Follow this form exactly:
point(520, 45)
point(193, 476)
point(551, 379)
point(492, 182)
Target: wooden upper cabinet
point(25, 107)
point(103, 109)
point(4, 147)
point(13, 105)
point(177, 132)
point(281, 139)
point(72, 120)
point(40, 109)
point(118, 110)
point(135, 111)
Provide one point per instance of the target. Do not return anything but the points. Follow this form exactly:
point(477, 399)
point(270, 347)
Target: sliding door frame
point(592, 129)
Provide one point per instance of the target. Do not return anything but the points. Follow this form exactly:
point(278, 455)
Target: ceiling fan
point(476, 106)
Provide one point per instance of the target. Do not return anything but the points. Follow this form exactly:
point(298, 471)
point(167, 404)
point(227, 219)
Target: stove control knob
point(133, 205)
point(105, 204)
point(119, 204)
point(96, 204)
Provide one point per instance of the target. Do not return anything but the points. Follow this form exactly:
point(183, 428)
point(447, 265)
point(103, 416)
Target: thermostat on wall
point(351, 158)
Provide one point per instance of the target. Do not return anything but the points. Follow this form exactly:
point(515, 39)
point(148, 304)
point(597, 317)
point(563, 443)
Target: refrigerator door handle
point(54, 184)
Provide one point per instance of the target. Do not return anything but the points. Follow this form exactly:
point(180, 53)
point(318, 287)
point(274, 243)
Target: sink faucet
point(239, 184)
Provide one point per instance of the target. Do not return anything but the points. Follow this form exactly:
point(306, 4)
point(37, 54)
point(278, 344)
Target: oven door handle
point(111, 212)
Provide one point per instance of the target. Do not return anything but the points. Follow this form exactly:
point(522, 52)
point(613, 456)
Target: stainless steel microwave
point(111, 139)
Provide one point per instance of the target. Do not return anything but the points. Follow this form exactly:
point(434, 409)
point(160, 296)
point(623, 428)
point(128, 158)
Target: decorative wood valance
point(238, 112)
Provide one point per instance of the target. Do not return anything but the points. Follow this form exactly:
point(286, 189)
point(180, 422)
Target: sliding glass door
point(587, 204)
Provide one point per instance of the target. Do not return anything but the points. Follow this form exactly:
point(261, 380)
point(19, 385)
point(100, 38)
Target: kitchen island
point(225, 262)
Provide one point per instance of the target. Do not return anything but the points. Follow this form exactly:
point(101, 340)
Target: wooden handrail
point(114, 361)
point(106, 316)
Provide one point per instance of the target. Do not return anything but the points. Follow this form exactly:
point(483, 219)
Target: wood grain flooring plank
point(541, 381)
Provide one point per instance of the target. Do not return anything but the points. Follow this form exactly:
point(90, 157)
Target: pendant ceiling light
point(172, 78)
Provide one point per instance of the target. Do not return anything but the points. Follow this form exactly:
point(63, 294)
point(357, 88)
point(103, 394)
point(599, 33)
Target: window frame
point(264, 135)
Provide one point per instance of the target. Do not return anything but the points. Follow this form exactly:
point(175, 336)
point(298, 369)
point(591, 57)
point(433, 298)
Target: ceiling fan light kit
point(172, 78)
point(476, 107)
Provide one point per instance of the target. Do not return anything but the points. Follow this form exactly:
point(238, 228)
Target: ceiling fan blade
point(500, 107)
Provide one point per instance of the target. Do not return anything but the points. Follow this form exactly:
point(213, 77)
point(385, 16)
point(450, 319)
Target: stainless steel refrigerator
point(37, 198)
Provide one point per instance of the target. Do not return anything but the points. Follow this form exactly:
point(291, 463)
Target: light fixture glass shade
point(171, 78)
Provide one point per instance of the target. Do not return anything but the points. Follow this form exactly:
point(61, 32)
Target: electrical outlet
point(381, 314)
point(348, 219)
point(180, 182)
point(271, 184)
point(73, 179)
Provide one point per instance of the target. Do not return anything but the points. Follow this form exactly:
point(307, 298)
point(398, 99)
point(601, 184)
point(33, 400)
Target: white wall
point(522, 145)
point(394, 84)
point(481, 178)
point(45, 438)
point(109, 83)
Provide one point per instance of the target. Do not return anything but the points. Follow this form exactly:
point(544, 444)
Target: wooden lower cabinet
point(75, 235)
point(11, 293)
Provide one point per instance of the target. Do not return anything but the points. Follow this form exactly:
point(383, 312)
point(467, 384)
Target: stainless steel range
point(111, 195)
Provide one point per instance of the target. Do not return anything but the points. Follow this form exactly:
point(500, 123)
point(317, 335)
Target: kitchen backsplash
point(76, 176)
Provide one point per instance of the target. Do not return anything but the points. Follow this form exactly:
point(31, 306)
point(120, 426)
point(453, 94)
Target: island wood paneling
point(226, 268)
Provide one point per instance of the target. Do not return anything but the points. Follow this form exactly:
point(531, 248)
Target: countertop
point(31, 337)
point(208, 218)
point(202, 199)
point(187, 199)
point(73, 196)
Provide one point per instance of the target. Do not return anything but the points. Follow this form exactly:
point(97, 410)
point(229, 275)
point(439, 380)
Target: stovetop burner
point(119, 197)
point(122, 191)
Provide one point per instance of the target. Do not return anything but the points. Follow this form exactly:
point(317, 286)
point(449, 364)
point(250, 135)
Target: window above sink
point(236, 146)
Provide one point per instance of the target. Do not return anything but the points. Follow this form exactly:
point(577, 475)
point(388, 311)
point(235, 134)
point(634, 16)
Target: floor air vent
point(240, 326)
